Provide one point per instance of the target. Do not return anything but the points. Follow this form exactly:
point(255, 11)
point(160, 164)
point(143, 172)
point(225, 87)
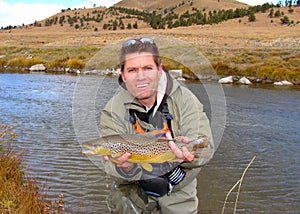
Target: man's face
point(141, 76)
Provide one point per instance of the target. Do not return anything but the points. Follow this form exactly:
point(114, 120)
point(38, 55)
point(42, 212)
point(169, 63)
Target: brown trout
point(144, 149)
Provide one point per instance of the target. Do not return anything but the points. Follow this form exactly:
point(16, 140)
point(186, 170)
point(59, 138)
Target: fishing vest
point(161, 121)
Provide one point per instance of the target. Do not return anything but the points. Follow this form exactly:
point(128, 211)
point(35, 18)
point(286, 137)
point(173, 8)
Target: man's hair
point(139, 47)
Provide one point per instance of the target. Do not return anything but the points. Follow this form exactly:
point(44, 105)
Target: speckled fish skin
point(142, 147)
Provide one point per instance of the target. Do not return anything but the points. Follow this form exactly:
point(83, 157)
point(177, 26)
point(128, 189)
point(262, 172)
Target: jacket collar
point(164, 89)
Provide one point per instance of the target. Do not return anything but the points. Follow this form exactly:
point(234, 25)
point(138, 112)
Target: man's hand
point(122, 162)
point(182, 155)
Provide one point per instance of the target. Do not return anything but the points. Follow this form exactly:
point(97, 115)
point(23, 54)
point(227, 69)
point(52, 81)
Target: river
point(261, 122)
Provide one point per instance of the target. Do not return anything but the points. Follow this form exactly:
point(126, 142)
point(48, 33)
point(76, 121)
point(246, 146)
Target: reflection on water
point(261, 122)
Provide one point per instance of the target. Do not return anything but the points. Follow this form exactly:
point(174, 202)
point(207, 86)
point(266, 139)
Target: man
point(151, 101)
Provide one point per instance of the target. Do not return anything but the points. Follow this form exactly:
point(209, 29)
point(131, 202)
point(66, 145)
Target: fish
point(144, 148)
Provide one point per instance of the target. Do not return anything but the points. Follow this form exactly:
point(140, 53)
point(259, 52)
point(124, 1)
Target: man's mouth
point(142, 85)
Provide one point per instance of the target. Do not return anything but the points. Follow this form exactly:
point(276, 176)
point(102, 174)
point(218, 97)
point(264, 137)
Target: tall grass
point(19, 193)
point(23, 62)
point(272, 64)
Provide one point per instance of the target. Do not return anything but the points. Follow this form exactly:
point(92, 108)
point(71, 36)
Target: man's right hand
point(122, 162)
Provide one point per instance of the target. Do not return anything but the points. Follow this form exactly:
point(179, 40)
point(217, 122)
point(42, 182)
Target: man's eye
point(149, 68)
point(131, 70)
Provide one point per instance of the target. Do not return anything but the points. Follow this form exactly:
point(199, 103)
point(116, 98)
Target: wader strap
point(167, 117)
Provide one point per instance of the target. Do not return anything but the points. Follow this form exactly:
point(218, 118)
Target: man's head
point(137, 46)
point(141, 68)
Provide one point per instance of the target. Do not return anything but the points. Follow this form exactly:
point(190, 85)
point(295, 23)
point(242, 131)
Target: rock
point(226, 80)
point(176, 73)
point(37, 67)
point(245, 81)
point(284, 82)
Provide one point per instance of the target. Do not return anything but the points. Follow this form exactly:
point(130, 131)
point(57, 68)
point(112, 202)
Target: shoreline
point(114, 73)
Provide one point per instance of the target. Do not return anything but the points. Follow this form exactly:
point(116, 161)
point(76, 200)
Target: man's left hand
point(181, 154)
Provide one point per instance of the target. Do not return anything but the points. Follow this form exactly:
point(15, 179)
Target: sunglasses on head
point(133, 41)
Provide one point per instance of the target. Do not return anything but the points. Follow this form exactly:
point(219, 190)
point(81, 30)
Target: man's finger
point(169, 136)
point(188, 156)
point(176, 150)
point(106, 158)
point(124, 157)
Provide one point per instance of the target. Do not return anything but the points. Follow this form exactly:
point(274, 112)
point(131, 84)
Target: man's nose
point(141, 72)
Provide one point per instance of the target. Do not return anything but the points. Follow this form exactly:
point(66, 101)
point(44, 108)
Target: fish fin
point(115, 160)
point(170, 157)
point(147, 166)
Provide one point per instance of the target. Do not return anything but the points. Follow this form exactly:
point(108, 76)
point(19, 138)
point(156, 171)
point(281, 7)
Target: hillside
point(232, 43)
point(132, 14)
point(180, 6)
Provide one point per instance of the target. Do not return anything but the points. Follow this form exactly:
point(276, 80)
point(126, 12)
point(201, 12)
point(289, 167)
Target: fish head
point(199, 143)
point(95, 147)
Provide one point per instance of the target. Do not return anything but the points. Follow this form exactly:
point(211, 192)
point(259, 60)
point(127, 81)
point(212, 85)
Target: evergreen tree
point(252, 17)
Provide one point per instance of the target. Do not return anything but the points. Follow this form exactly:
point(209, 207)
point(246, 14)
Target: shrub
point(56, 64)
point(285, 20)
point(3, 62)
point(23, 62)
point(18, 192)
point(225, 69)
point(265, 71)
point(75, 63)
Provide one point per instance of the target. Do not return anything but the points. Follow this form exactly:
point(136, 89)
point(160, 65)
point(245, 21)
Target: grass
point(275, 64)
point(52, 57)
point(20, 193)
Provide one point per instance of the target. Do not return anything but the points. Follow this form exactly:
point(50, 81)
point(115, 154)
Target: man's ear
point(123, 76)
point(160, 69)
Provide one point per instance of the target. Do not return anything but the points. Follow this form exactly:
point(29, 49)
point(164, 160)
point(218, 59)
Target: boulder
point(226, 80)
point(176, 73)
point(284, 82)
point(37, 67)
point(245, 81)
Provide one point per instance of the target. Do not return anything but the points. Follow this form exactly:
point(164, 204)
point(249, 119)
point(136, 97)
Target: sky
point(18, 12)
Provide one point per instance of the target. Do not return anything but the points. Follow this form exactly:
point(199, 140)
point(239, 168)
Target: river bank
point(232, 79)
point(265, 49)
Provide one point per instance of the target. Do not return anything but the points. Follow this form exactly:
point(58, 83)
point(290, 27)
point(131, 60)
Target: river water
point(261, 122)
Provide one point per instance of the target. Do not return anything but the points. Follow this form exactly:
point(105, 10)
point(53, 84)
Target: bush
point(3, 62)
point(285, 20)
point(224, 69)
point(23, 62)
point(19, 193)
point(265, 71)
point(56, 64)
point(75, 63)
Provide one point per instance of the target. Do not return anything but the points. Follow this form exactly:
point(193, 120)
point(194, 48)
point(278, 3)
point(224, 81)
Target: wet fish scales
point(144, 149)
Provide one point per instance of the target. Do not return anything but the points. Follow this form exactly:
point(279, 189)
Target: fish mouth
point(87, 152)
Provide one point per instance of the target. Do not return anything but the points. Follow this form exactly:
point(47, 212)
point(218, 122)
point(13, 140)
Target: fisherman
point(151, 101)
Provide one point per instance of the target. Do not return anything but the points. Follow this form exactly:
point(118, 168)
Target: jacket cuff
point(132, 173)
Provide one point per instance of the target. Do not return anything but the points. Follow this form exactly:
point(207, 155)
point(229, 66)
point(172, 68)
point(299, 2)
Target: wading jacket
point(188, 120)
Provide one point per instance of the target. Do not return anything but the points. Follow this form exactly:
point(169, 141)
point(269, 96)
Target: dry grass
point(245, 45)
point(19, 193)
point(239, 183)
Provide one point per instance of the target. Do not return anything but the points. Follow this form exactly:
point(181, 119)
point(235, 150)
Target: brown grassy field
point(238, 43)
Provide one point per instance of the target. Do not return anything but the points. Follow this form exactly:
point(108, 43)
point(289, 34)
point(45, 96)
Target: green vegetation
point(157, 20)
point(263, 63)
point(274, 64)
point(170, 19)
point(18, 192)
point(53, 57)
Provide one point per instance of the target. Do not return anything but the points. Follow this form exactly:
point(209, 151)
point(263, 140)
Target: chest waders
point(166, 175)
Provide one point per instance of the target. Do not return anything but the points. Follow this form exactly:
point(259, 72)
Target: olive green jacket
point(188, 120)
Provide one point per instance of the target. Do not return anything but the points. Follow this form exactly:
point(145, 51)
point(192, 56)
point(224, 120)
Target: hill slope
point(180, 5)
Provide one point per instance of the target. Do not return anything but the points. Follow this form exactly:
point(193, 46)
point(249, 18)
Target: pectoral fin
point(115, 160)
point(147, 166)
